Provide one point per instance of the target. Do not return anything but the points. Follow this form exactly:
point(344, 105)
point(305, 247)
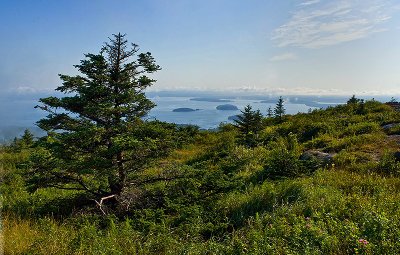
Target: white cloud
point(26, 90)
point(276, 91)
point(284, 56)
point(291, 91)
point(310, 2)
point(316, 25)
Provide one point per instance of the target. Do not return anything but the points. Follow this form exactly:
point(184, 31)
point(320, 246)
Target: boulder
point(322, 157)
point(389, 126)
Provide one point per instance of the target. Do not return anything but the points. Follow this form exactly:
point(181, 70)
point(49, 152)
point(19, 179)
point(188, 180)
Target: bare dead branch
point(100, 204)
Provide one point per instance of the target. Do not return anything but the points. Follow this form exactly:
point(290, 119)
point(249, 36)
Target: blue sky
point(284, 47)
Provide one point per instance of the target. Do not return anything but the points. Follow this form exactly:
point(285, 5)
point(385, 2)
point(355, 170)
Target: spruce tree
point(26, 141)
point(249, 124)
point(269, 112)
point(27, 138)
point(353, 100)
point(279, 110)
point(90, 144)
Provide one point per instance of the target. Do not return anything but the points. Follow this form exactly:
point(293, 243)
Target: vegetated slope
point(213, 195)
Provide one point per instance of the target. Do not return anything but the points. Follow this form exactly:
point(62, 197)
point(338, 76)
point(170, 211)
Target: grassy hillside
point(213, 195)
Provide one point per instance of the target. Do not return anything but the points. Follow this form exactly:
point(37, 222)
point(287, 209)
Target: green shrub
point(315, 129)
point(361, 128)
point(283, 159)
point(388, 165)
point(395, 130)
point(321, 142)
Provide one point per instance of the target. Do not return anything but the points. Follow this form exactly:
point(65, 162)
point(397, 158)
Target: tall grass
point(230, 199)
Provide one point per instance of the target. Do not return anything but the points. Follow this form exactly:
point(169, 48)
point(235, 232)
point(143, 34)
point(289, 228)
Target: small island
point(184, 109)
point(227, 107)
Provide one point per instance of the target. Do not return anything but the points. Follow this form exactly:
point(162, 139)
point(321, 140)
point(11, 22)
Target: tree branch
point(100, 204)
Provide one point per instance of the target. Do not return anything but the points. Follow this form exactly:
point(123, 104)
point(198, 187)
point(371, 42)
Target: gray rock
point(324, 158)
point(389, 126)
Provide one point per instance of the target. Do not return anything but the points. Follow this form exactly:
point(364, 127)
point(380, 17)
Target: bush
point(312, 130)
point(283, 160)
point(361, 128)
point(321, 142)
point(388, 165)
point(395, 130)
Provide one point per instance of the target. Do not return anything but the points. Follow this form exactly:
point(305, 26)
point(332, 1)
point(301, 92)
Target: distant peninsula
point(184, 109)
point(208, 99)
point(234, 117)
point(269, 101)
point(227, 107)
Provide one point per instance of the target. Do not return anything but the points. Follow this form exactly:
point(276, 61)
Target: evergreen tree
point(270, 114)
point(354, 100)
point(15, 145)
point(94, 144)
point(356, 105)
point(27, 138)
point(279, 110)
point(249, 124)
point(26, 141)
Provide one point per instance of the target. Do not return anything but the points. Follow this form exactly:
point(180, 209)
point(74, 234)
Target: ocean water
point(22, 114)
point(208, 117)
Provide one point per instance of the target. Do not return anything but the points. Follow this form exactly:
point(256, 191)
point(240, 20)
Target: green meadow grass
point(229, 201)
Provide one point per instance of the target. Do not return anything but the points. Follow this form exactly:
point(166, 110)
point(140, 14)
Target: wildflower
point(363, 241)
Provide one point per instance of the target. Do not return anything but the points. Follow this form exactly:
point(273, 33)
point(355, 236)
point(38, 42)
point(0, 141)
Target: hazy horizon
point(22, 114)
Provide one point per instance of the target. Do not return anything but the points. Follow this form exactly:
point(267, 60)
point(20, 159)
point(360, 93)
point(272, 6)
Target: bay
point(208, 117)
point(18, 113)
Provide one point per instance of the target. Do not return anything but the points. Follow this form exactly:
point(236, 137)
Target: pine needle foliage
point(90, 144)
point(249, 124)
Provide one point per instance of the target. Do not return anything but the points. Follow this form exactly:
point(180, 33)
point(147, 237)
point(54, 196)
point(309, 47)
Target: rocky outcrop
point(389, 126)
point(319, 156)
